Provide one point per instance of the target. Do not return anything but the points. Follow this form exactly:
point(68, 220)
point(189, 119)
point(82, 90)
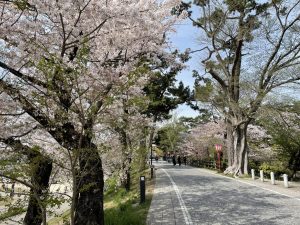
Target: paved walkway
point(165, 206)
point(193, 196)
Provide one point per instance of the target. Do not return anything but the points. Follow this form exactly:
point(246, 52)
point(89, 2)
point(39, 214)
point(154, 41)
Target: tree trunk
point(126, 159)
point(128, 175)
point(89, 207)
point(42, 167)
point(125, 173)
point(239, 166)
point(127, 184)
point(143, 151)
point(229, 143)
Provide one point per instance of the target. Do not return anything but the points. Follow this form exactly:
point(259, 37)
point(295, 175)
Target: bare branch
point(17, 180)
point(13, 114)
point(22, 76)
point(19, 135)
point(218, 79)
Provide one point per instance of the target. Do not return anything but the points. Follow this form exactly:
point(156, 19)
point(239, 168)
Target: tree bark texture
point(238, 153)
point(229, 144)
point(42, 167)
point(89, 207)
point(126, 160)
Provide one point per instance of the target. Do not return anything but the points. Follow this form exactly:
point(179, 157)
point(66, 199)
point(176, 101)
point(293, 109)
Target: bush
point(254, 164)
point(277, 167)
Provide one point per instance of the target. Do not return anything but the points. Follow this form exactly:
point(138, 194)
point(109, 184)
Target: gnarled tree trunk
point(237, 149)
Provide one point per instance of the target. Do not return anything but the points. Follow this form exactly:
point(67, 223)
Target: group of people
point(178, 160)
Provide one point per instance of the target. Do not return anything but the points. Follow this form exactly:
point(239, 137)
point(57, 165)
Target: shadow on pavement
point(216, 200)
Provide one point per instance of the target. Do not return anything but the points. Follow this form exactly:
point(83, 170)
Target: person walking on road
point(174, 160)
point(184, 160)
point(179, 160)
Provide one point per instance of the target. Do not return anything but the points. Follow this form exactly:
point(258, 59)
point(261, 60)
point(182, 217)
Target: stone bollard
point(261, 175)
point(285, 180)
point(272, 178)
point(253, 174)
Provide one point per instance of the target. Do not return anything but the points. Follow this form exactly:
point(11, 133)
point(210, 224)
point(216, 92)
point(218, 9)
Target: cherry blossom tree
point(203, 137)
point(65, 61)
point(28, 166)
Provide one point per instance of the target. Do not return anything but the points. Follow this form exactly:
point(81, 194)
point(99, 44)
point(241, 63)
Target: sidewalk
point(165, 208)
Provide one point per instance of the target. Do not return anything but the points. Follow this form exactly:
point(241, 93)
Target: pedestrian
point(174, 160)
point(179, 160)
point(184, 160)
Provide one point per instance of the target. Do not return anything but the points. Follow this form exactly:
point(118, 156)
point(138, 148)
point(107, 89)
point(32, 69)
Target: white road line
point(266, 189)
point(187, 216)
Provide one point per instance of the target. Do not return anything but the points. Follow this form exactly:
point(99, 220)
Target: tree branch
point(23, 76)
point(218, 79)
point(17, 180)
point(59, 132)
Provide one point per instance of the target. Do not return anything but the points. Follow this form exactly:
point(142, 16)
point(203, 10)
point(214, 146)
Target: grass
point(123, 208)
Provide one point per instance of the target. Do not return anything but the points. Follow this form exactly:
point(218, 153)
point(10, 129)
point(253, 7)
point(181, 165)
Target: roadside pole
point(151, 156)
point(142, 189)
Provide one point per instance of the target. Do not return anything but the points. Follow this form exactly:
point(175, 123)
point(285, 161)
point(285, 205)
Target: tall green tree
point(162, 92)
point(169, 136)
point(249, 48)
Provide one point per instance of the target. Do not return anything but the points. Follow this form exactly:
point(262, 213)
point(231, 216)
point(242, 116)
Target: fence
point(211, 164)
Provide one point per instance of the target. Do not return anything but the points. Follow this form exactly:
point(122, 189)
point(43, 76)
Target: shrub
point(277, 167)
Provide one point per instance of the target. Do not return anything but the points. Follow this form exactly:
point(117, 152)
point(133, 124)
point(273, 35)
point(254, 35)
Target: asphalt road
point(193, 196)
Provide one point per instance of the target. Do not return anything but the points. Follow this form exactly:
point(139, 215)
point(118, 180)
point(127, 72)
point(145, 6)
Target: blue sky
point(184, 38)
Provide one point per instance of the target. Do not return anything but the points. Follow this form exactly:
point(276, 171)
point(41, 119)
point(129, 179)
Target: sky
point(186, 37)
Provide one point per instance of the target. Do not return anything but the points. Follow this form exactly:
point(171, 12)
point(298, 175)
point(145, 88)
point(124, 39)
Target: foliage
point(12, 211)
point(282, 122)
point(278, 167)
point(200, 139)
point(169, 136)
point(162, 92)
point(190, 122)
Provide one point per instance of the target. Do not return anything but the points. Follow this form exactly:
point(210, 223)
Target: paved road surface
point(193, 196)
